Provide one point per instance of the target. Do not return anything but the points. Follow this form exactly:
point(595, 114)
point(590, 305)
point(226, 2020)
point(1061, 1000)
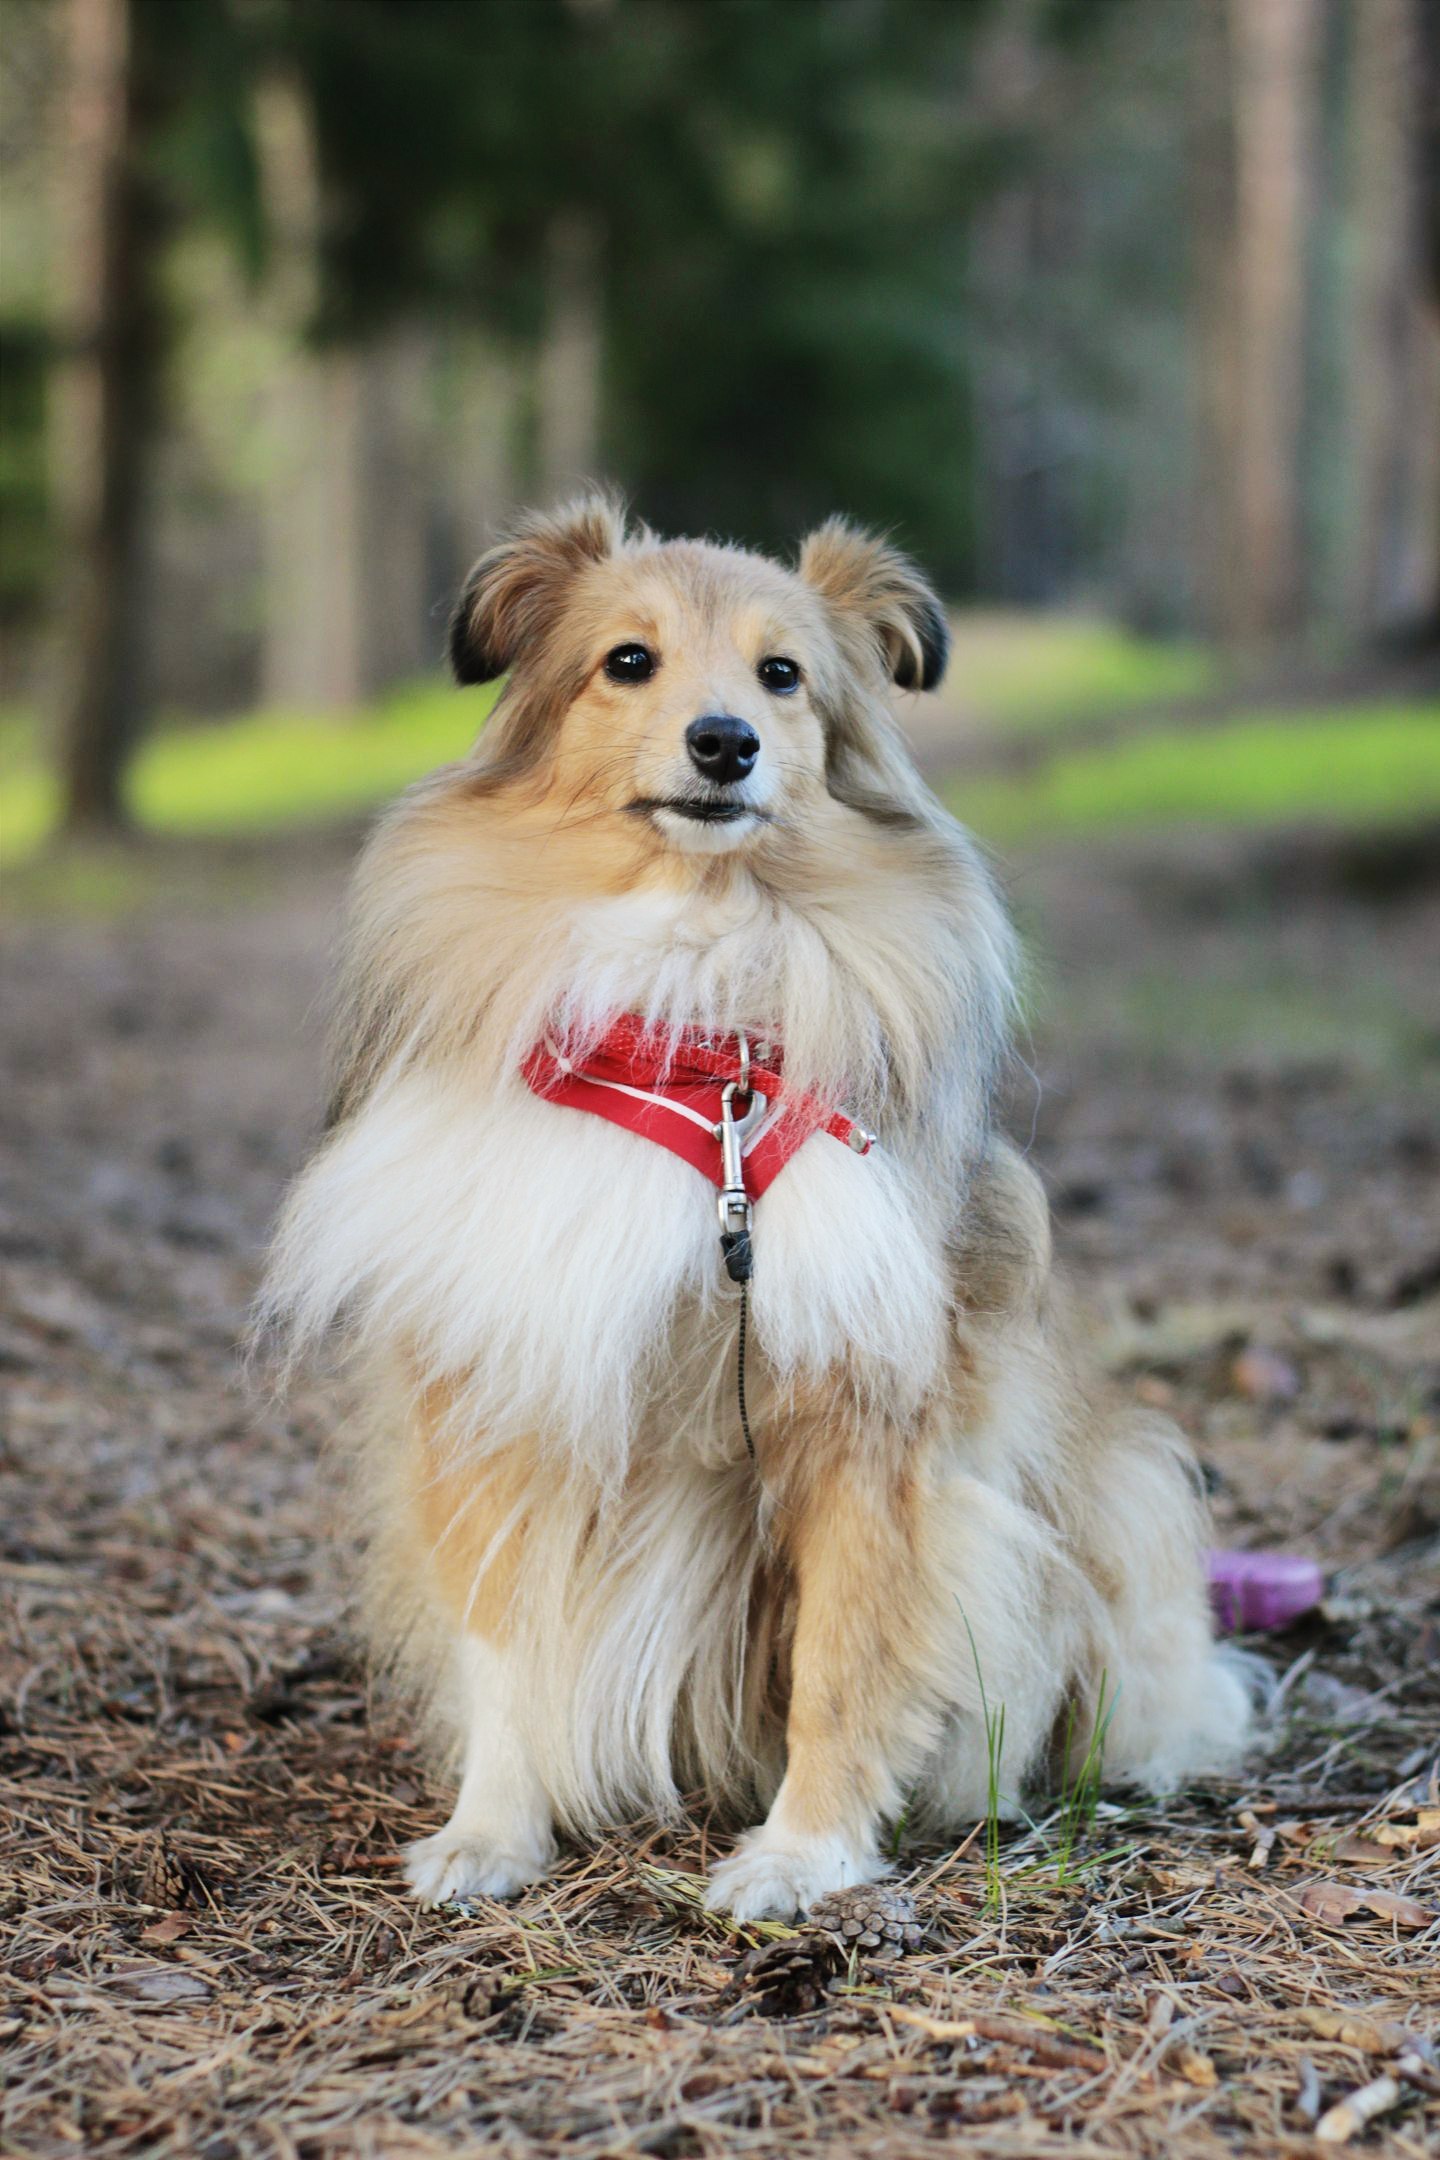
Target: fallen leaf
point(1402, 1836)
point(1349, 2116)
point(1396, 1836)
point(1406, 1912)
point(168, 1930)
point(1332, 1904)
point(1360, 1852)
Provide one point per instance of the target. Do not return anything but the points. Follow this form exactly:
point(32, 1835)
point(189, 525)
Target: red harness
point(668, 1085)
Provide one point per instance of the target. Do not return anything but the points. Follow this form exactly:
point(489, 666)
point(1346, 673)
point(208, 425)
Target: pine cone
point(789, 1977)
point(168, 1881)
point(479, 1996)
point(870, 1917)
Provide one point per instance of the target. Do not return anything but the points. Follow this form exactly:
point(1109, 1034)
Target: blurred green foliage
point(1357, 764)
point(778, 192)
point(781, 190)
point(257, 774)
point(1040, 672)
point(1360, 764)
point(794, 204)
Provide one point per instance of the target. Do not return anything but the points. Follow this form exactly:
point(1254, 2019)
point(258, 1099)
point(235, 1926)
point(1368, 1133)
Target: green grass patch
point(1348, 765)
point(1020, 672)
point(1274, 1019)
point(1360, 765)
point(255, 774)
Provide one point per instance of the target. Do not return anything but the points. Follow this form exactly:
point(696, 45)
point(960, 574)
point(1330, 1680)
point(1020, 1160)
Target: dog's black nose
point(722, 747)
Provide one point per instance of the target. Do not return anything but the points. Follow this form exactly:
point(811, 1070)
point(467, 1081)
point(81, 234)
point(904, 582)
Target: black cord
point(740, 1370)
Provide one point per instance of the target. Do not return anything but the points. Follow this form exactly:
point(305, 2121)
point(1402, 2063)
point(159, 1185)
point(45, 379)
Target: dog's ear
point(510, 595)
point(870, 583)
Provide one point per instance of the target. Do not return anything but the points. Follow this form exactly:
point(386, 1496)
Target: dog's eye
point(781, 676)
point(630, 663)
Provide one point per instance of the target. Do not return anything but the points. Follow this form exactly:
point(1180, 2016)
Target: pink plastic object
point(1251, 1590)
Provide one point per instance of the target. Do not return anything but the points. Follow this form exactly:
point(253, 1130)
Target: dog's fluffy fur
point(608, 1604)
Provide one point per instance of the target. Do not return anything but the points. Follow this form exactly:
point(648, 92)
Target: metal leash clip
point(735, 1209)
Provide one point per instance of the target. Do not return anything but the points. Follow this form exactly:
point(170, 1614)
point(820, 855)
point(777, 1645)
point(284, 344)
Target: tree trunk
point(1273, 60)
point(302, 626)
point(478, 446)
point(1391, 364)
point(572, 337)
point(567, 429)
point(100, 411)
point(345, 511)
point(392, 534)
point(1212, 284)
point(1428, 160)
point(347, 525)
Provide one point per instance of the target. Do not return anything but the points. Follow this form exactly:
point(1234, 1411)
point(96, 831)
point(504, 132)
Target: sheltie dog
point(688, 901)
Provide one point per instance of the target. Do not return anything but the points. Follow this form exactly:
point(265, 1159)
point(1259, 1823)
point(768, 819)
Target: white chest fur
point(553, 1258)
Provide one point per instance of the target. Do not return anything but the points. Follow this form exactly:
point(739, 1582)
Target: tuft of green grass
point(1355, 765)
point(1080, 1795)
point(267, 770)
point(994, 1753)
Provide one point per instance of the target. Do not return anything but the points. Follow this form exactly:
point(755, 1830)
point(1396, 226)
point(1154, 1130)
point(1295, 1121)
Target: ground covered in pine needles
point(1236, 1097)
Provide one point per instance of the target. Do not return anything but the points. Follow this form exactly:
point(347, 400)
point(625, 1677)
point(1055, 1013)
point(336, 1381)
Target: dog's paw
point(460, 1864)
point(770, 1878)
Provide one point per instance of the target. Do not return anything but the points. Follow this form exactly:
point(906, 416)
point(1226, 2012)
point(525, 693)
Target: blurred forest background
point(1124, 316)
point(1124, 308)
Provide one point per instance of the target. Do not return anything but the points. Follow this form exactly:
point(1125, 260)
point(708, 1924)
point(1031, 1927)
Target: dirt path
point(204, 1952)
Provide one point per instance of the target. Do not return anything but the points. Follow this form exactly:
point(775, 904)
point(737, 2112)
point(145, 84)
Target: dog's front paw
point(460, 1864)
point(772, 1878)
